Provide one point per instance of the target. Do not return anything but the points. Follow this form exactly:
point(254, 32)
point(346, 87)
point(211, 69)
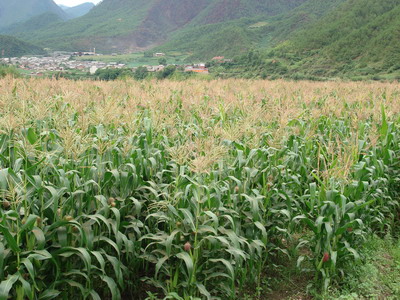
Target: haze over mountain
point(77, 11)
point(33, 24)
point(15, 11)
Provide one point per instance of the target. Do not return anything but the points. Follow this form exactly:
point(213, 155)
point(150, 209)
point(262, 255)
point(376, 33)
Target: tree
point(162, 61)
point(140, 73)
point(112, 74)
point(167, 72)
point(8, 70)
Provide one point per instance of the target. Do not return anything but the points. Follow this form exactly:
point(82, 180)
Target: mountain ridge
point(78, 10)
point(16, 11)
point(307, 38)
point(123, 25)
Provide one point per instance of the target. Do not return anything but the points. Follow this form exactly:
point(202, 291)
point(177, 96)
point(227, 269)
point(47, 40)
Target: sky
point(74, 2)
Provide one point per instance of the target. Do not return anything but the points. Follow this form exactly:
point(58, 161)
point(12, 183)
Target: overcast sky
point(75, 2)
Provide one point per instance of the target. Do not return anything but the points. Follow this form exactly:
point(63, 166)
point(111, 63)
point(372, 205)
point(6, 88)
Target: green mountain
point(270, 38)
point(227, 10)
point(33, 24)
point(16, 11)
point(355, 38)
point(206, 41)
point(106, 27)
point(47, 19)
point(359, 37)
point(12, 47)
point(77, 11)
point(128, 25)
point(241, 35)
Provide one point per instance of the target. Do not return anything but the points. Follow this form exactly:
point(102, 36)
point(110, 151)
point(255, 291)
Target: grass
point(258, 25)
point(375, 277)
point(194, 189)
point(137, 59)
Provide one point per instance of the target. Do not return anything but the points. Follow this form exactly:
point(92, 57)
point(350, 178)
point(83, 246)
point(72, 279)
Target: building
point(160, 54)
point(197, 68)
point(57, 62)
point(155, 68)
point(93, 70)
point(221, 59)
point(218, 58)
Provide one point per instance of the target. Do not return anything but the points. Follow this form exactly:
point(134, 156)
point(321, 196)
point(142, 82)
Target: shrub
point(6, 70)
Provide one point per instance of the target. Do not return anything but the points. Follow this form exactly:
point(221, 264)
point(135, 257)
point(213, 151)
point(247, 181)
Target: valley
point(301, 39)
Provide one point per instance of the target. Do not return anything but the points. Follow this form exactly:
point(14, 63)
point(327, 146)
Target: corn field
point(189, 190)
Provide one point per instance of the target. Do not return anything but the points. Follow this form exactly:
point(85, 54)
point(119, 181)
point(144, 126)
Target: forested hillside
point(238, 36)
point(124, 25)
point(106, 26)
point(10, 46)
point(361, 36)
point(227, 10)
point(34, 24)
point(15, 11)
point(269, 38)
point(354, 38)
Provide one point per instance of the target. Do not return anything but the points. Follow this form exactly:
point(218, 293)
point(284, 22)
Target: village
point(58, 62)
point(86, 62)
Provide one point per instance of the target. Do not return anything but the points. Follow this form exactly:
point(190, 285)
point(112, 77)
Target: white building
point(93, 69)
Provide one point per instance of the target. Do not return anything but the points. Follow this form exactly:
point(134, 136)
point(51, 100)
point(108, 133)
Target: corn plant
point(189, 190)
